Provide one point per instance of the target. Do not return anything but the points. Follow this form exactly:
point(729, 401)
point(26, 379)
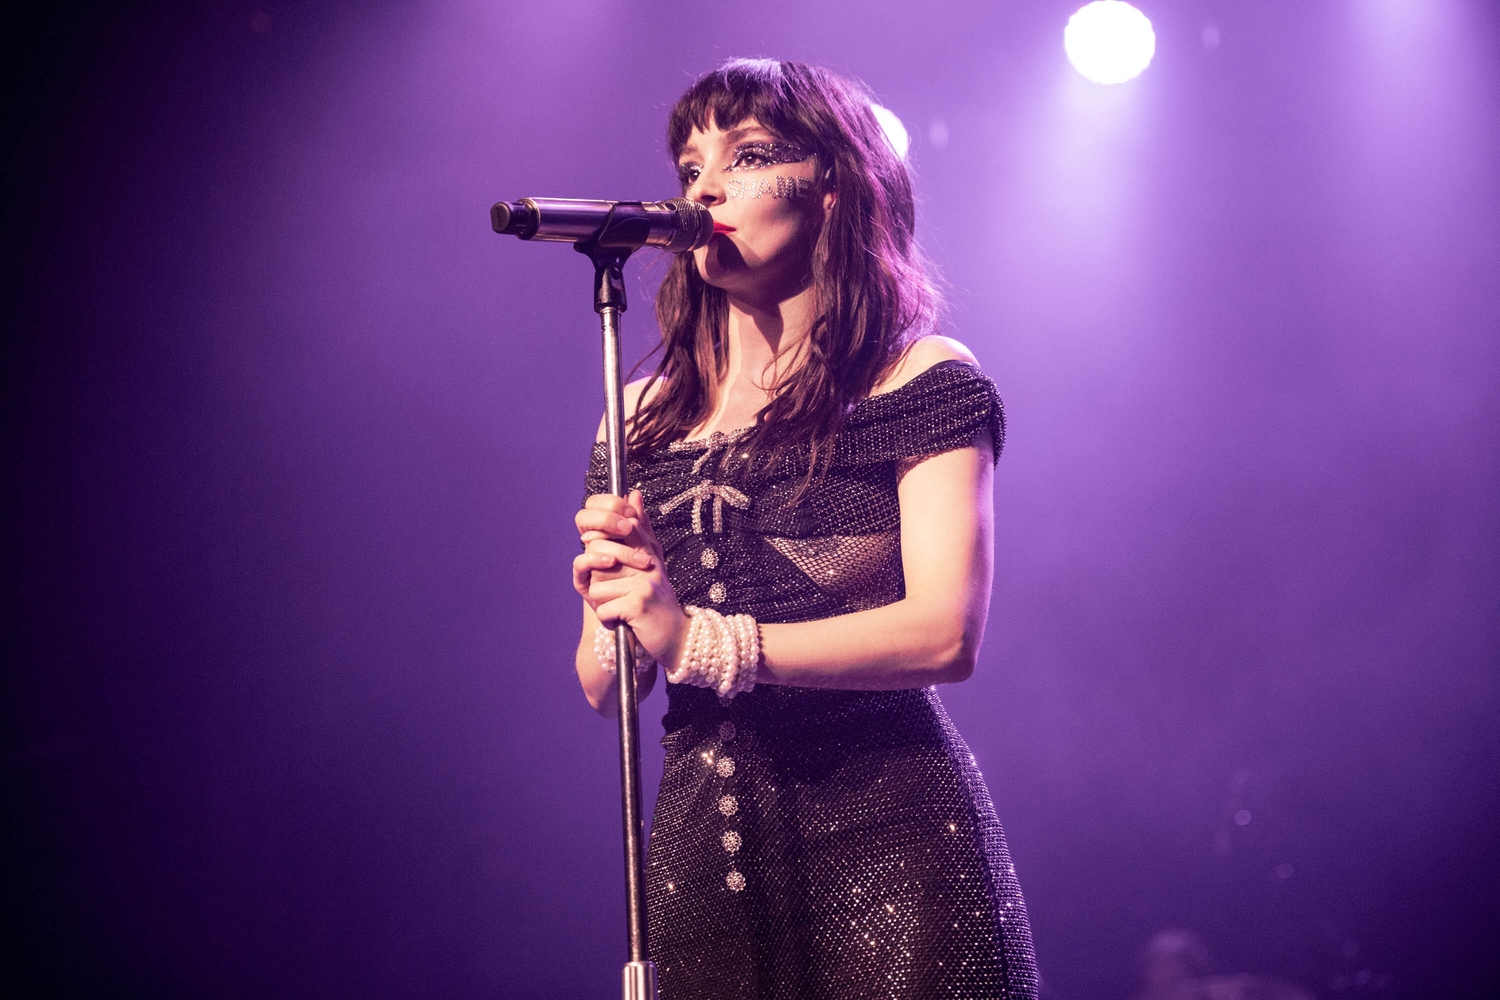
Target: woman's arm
point(932, 635)
point(600, 686)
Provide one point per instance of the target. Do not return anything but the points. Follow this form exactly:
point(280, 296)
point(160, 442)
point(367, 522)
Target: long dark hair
point(872, 294)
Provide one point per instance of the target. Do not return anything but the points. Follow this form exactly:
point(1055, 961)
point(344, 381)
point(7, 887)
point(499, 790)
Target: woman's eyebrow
point(736, 134)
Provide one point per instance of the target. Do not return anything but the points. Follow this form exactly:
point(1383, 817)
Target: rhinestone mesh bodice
point(810, 843)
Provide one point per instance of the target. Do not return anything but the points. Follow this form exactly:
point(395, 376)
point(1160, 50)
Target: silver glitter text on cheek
point(778, 187)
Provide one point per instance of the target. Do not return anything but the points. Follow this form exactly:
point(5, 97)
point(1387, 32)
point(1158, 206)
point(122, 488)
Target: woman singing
point(806, 552)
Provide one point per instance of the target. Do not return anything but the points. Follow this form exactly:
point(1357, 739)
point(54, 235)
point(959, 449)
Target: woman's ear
point(829, 194)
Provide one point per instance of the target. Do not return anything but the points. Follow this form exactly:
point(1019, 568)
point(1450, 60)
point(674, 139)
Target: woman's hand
point(621, 574)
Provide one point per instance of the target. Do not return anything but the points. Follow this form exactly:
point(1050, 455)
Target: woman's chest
point(750, 544)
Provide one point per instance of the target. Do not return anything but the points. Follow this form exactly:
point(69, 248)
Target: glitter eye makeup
point(754, 155)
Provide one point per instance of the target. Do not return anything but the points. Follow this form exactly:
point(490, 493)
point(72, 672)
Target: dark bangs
point(739, 90)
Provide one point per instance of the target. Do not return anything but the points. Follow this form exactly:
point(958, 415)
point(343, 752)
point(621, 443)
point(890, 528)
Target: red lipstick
point(719, 227)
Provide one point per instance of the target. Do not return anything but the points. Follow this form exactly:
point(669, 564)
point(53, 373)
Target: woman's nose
point(706, 192)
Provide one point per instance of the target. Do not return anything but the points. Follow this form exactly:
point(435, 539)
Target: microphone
point(677, 226)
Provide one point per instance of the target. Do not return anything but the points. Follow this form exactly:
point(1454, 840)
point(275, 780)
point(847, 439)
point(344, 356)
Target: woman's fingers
point(608, 554)
point(607, 516)
point(647, 533)
point(610, 503)
point(583, 574)
point(606, 561)
point(624, 608)
point(615, 600)
point(603, 523)
point(619, 573)
point(602, 555)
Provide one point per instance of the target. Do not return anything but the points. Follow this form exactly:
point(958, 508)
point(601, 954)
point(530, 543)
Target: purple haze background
point(292, 444)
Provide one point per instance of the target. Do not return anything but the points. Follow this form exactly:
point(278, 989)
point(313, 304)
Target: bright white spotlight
point(895, 132)
point(1109, 41)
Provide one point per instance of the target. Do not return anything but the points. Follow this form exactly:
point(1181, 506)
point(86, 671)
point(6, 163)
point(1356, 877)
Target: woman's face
point(768, 208)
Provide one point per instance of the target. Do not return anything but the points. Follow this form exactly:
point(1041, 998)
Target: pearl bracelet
point(604, 649)
point(720, 653)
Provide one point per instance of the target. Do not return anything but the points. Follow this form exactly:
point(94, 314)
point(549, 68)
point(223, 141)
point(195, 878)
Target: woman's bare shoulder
point(632, 395)
point(921, 355)
point(634, 389)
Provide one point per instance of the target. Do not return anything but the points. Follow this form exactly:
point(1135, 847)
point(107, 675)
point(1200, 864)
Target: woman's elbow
point(602, 704)
point(953, 659)
point(598, 690)
point(949, 634)
point(960, 669)
point(958, 666)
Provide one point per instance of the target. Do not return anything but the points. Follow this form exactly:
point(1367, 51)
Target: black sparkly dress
point(813, 844)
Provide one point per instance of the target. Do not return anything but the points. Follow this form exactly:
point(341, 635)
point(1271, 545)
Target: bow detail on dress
point(707, 490)
point(716, 441)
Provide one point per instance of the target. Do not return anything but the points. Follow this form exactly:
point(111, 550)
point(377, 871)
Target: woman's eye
point(687, 173)
point(766, 154)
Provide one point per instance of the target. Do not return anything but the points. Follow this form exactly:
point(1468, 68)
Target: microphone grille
point(694, 228)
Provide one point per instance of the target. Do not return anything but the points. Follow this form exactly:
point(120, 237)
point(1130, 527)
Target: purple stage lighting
point(1109, 41)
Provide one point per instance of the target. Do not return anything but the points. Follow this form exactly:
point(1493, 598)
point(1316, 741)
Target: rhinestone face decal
point(728, 806)
point(777, 187)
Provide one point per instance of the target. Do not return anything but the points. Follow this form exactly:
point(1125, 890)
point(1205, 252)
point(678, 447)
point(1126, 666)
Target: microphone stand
point(639, 977)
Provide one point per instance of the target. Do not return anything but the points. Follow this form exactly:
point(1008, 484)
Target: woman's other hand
point(621, 573)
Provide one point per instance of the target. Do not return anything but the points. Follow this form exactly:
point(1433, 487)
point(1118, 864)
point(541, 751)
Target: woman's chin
point(730, 276)
point(720, 260)
point(723, 279)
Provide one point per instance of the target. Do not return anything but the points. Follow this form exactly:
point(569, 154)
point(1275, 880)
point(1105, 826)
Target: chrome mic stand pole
point(608, 232)
point(639, 980)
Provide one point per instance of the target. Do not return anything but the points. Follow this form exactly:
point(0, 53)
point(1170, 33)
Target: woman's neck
point(765, 339)
point(765, 342)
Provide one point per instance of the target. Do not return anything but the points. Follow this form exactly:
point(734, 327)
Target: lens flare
point(1109, 41)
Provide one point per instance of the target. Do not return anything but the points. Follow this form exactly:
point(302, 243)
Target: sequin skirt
point(829, 844)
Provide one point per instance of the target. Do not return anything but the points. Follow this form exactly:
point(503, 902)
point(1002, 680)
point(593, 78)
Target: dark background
point(291, 445)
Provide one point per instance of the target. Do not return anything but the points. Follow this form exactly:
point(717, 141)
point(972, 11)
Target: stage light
point(895, 132)
point(1109, 41)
